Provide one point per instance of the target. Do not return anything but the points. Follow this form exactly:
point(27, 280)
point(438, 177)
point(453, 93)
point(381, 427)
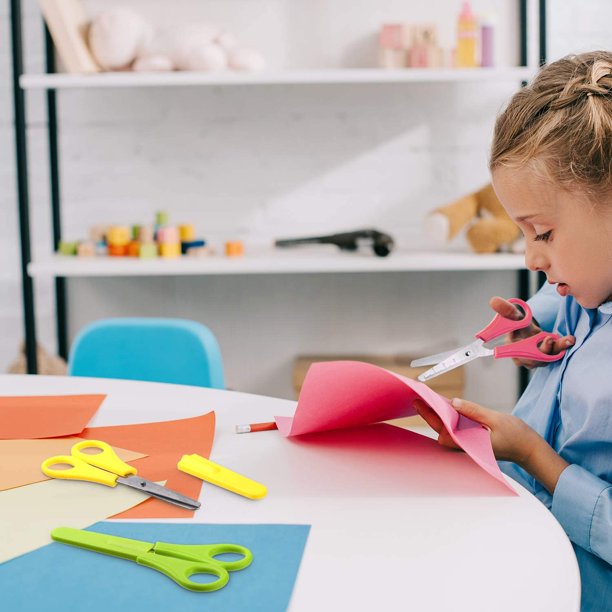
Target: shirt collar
point(606, 308)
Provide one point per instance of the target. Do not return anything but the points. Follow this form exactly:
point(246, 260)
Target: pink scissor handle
point(500, 325)
point(528, 348)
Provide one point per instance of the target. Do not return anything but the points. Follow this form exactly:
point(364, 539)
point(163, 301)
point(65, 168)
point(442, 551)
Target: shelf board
point(273, 262)
point(287, 77)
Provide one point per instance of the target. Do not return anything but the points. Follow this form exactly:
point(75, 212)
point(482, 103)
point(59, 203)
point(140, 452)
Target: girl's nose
point(534, 258)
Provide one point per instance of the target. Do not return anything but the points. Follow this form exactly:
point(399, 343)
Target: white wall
point(262, 162)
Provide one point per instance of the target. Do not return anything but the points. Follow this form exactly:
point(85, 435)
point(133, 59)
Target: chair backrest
point(160, 350)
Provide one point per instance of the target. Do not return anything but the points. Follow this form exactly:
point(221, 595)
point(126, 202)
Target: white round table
point(371, 546)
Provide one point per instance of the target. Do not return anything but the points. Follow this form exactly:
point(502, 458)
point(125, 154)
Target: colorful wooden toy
point(133, 249)
point(170, 249)
point(148, 250)
point(118, 235)
point(169, 234)
point(86, 249)
point(101, 249)
point(187, 232)
point(117, 250)
point(234, 248)
point(192, 244)
point(145, 234)
point(97, 233)
point(67, 248)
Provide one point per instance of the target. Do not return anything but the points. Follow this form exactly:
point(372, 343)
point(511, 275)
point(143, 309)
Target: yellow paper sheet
point(21, 459)
point(28, 514)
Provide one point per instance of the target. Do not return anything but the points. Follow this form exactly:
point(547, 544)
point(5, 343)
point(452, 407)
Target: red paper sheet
point(341, 394)
point(52, 416)
point(164, 443)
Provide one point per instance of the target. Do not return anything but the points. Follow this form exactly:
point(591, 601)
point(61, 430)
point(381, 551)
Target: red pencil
point(256, 427)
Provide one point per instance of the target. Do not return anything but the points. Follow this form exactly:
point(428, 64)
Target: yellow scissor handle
point(79, 470)
point(107, 459)
point(84, 466)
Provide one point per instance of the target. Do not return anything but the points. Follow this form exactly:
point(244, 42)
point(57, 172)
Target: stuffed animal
point(121, 39)
point(489, 228)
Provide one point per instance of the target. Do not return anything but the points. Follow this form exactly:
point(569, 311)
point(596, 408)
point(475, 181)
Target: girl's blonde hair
point(563, 122)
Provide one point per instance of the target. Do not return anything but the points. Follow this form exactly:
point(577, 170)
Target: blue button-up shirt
point(569, 403)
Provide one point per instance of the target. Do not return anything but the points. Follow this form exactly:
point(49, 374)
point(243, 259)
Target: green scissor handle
point(180, 561)
point(181, 570)
point(207, 553)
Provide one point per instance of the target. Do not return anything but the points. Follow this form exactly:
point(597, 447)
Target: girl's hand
point(511, 438)
point(550, 346)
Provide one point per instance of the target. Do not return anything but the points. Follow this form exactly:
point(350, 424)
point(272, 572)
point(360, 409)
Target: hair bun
point(600, 80)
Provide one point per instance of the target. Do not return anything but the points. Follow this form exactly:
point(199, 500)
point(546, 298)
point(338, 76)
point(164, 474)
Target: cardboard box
point(451, 384)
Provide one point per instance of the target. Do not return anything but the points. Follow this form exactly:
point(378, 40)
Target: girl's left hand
point(512, 439)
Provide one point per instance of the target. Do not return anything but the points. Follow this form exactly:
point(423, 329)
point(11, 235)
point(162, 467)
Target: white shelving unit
point(293, 77)
point(307, 300)
point(269, 261)
point(273, 262)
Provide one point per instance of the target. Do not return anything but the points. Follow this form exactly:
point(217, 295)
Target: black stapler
point(382, 244)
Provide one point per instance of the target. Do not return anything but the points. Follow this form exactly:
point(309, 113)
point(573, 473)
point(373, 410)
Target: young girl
point(551, 164)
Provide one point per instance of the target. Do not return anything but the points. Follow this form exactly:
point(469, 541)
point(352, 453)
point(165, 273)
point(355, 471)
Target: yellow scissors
point(177, 561)
point(106, 468)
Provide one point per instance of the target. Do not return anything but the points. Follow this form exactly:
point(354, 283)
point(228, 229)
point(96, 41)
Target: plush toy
point(490, 229)
point(121, 39)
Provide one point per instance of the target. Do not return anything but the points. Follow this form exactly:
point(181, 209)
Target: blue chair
point(160, 350)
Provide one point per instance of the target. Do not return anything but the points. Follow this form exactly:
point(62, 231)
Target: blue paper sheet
point(61, 577)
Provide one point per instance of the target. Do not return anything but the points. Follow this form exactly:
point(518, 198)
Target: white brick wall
point(263, 162)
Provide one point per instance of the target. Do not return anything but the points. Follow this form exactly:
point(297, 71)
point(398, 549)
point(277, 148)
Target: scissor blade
point(431, 359)
point(458, 358)
point(163, 493)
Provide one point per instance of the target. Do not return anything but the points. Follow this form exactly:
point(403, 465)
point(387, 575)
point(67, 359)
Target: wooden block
point(170, 249)
point(117, 250)
point(118, 235)
point(145, 234)
point(148, 250)
point(67, 248)
point(168, 234)
point(187, 232)
point(86, 249)
point(234, 248)
point(133, 249)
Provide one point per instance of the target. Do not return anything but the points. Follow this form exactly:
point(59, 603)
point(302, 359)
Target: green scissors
point(177, 561)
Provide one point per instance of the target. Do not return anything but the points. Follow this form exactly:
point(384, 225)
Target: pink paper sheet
point(341, 394)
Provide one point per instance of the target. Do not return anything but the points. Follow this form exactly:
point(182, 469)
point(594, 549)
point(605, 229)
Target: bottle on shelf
point(487, 42)
point(467, 38)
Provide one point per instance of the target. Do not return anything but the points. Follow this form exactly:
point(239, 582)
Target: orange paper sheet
point(164, 443)
point(21, 459)
point(46, 416)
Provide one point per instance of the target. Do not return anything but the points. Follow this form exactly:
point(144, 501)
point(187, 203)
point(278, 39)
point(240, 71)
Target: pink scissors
point(527, 348)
